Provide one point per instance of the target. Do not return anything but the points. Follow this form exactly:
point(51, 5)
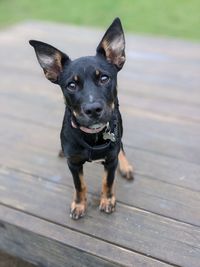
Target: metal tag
point(109, 136)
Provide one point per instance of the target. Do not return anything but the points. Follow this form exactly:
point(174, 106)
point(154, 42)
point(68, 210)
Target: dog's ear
point(51, 59)
point(112, 45)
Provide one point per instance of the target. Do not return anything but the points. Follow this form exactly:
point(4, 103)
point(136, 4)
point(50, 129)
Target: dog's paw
point(124, 167)
point(78, 210)
point(126, 171)
point(107, 204)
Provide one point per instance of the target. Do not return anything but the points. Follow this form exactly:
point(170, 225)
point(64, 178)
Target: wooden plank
point(161, 127)
point(152, 195)
point(162, 52)
point(130, 228)
point(60, 31)
point(145, 193)
point(154, 49)
point(160, 136)
point(179, 94)
point(34, 86)
point(174, 48)
point(10, 261)
point(165, 168)
point(169, 109)
point(127, 84)
point(48, 244)
point(45, 144)
point(174, 67)
point(149, 193)
point(44, 101)
point(151, 143)
point(140, 92)
point(154, 133)
point(168, 70)
point(161, 63)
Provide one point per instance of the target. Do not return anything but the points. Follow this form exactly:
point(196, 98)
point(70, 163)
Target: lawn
point(179, 18)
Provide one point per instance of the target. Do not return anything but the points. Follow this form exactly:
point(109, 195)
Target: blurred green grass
point(178, 18)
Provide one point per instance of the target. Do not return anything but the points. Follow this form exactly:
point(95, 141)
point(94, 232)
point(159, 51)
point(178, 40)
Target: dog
point(92, 125)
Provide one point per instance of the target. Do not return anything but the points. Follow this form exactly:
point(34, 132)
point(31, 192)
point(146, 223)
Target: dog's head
point(89, 84)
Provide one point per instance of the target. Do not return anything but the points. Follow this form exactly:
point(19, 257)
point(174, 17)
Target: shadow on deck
point(157, 219)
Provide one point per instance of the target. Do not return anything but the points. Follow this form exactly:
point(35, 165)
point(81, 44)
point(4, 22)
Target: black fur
point(89, 85)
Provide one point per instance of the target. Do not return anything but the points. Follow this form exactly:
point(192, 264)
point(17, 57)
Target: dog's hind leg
point(124, 167)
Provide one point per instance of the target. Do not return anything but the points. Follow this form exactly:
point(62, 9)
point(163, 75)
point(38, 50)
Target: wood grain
point(128, 227)
point(157, 218)
point(50, 244)
point(159, 196)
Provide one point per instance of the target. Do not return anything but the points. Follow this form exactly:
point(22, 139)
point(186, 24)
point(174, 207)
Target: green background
point(179, 18)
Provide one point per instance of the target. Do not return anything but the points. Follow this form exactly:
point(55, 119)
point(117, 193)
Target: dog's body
point(92, 125)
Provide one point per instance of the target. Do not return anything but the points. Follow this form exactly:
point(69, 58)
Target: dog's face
point(89, 84)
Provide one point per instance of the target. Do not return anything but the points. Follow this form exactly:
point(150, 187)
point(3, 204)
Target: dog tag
point(109, 136)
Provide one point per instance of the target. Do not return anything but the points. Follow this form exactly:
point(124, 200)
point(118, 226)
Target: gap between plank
point(90, 235)
point(127, 145)
point(93, 194)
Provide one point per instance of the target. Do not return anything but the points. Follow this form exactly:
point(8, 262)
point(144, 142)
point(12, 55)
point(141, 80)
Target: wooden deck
point(157, 221)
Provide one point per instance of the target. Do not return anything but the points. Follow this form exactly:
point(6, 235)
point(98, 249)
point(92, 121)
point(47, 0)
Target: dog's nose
point(93, 109)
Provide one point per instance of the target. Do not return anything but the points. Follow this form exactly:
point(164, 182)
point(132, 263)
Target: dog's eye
point(104, 78)
point(71, 86)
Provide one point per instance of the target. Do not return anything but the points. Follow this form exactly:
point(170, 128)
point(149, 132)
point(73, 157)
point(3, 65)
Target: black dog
point(92, 125)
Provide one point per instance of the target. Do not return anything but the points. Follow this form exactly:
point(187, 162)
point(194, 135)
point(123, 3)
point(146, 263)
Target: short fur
point(89, 86)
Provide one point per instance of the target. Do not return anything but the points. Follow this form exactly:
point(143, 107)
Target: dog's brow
point(97, 72)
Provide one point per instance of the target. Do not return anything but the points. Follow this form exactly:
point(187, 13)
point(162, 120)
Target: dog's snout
point(94, 109)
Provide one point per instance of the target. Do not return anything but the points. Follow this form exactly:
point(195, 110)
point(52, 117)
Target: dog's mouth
point(91, 125)
point(94, 128)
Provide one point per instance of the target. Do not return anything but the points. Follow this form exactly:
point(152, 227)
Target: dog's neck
point(95, 138)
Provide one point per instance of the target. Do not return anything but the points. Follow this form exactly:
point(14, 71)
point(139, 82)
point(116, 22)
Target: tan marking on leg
point(79, 204)
point(125, 169)
point(108, 200)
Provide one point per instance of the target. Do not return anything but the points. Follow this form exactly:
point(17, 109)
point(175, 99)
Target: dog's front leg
point(108, 201)
point(79, 203)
